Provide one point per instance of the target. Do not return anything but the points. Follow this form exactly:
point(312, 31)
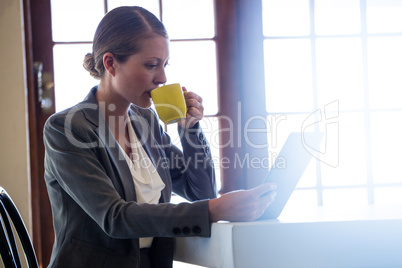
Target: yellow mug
point(169, 103)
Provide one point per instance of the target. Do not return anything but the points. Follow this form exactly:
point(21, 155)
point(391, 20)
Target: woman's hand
point(195, 109)
point(242, 205)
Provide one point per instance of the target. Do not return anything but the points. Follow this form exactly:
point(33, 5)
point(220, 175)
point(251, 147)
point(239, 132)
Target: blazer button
point(176, 231)
point(204, 142)
point(201, 137)
point(196, 229)
point(186, 230)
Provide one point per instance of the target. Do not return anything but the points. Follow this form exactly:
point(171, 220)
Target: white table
point(359, 237)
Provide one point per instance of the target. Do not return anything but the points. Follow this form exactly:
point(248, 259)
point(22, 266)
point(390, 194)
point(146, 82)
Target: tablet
point(289, 167)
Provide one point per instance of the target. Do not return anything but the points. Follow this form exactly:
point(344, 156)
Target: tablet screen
point(289, 167)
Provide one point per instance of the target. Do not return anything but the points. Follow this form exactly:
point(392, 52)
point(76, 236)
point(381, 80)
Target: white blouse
point(148, 184)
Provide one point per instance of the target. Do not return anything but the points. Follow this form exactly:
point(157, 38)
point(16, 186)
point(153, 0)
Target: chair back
point(5, 248)
point(9, 216)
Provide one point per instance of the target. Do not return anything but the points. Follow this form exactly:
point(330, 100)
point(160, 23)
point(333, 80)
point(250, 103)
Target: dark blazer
point(96, 220)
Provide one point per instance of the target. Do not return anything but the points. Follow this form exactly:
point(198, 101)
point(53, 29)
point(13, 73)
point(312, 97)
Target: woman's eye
point(151, 66)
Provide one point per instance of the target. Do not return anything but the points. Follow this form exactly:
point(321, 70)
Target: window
point(339, 62)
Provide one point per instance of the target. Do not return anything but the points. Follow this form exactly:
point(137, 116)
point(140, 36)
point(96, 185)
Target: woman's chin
point(143, 104)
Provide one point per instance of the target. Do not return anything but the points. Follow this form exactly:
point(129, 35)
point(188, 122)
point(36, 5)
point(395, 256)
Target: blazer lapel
point(92, 113)
point(117, 157)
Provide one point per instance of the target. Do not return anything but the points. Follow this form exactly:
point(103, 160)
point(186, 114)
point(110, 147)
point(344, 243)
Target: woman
point(110, 168)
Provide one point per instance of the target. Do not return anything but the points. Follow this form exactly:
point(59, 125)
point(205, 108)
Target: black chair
point(10, 217)
point(5, 248)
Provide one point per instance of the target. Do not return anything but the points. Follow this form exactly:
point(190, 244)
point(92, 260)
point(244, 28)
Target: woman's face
point(143, 72)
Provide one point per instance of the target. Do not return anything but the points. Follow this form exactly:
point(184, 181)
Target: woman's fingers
point(195, 109)
point(263, 188)
point(194, 104)
point(243, 205)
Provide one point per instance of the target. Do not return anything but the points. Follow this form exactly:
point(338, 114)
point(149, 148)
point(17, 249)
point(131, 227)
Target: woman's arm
point(194, 176)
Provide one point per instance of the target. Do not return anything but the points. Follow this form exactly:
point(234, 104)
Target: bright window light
point(346, 73)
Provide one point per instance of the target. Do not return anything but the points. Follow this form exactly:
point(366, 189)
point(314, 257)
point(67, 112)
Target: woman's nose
point(161, 77)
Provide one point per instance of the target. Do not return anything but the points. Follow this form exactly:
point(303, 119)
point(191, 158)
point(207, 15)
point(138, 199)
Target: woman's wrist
point(212, 208)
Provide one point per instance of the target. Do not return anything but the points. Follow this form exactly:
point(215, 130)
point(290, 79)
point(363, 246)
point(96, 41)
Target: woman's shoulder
point(76, 113)
point(68, 122)
point(80, 117)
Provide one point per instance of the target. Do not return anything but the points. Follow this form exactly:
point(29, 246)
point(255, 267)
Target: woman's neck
point(115, 110)
point(112, 105)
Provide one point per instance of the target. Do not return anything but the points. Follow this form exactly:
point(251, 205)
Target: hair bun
point(89, 65)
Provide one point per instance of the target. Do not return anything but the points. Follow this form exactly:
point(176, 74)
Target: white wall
point(14, 154)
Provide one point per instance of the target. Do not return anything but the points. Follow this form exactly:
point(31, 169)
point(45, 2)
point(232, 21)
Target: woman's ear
point(109, 62)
